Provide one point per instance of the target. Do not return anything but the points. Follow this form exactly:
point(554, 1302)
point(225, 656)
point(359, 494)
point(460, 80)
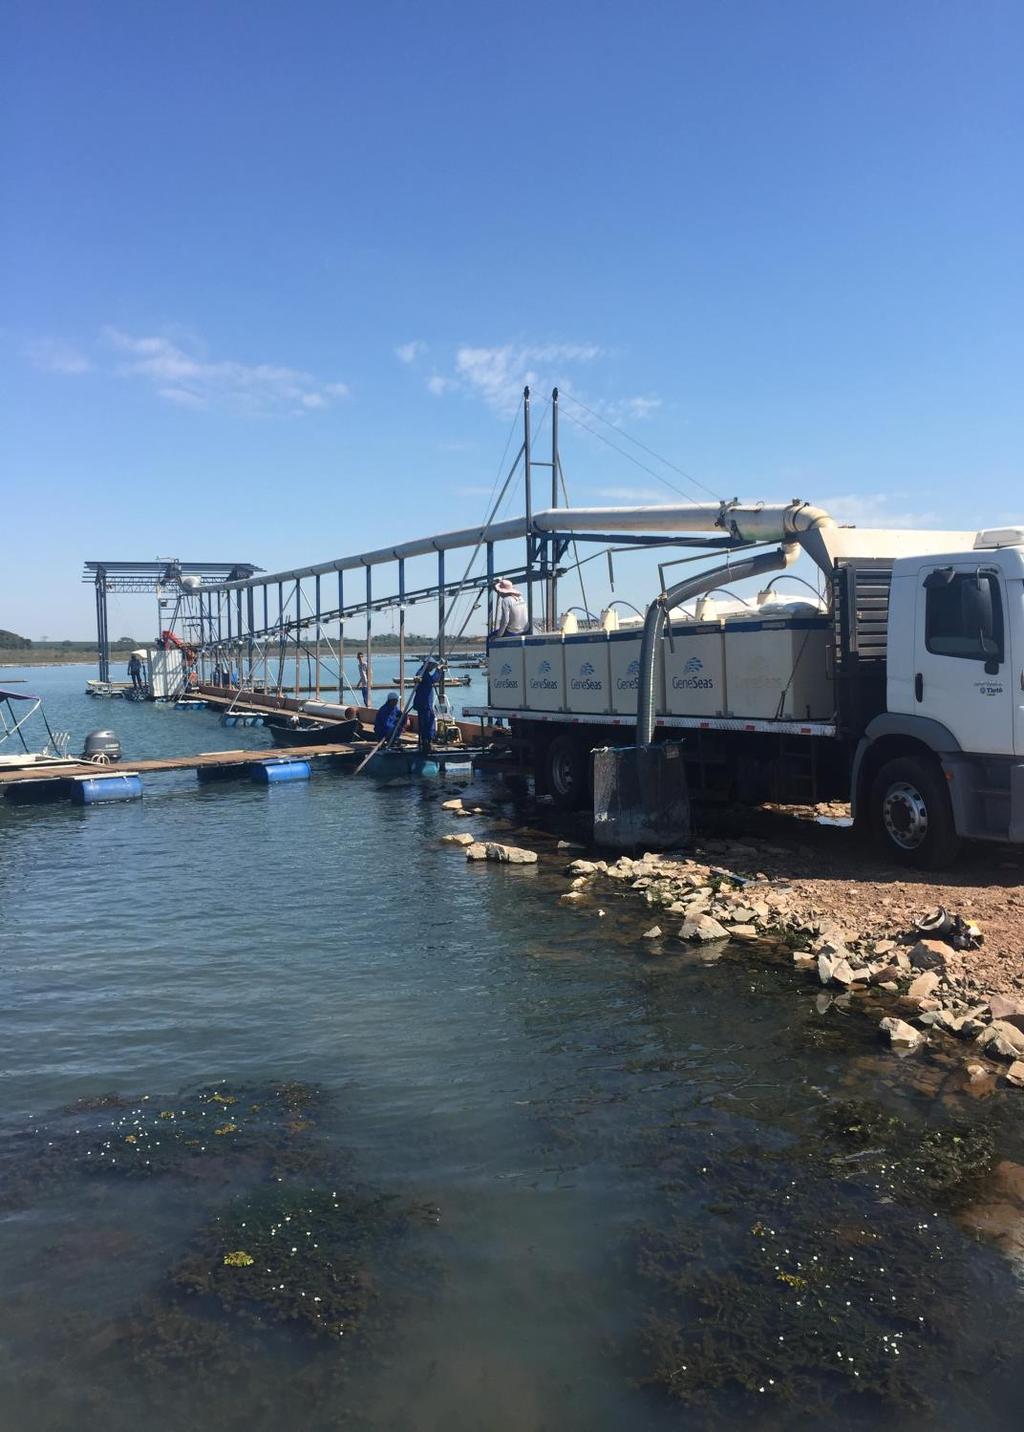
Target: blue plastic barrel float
point(271, 773)
point(236, 720)
point(97, 790)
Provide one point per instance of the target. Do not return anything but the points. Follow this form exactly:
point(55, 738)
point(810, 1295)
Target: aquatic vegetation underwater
point(275, 1253)
point(201, 1133)
point(825, 1278)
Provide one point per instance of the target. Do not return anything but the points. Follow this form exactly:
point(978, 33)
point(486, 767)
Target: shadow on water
point(451, 1156)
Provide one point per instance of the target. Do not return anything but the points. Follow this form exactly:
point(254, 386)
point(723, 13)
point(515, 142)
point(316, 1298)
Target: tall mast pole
point(529, 507)
point(552, 552)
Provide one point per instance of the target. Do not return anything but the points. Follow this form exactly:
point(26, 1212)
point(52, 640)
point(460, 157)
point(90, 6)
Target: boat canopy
point(6, 695)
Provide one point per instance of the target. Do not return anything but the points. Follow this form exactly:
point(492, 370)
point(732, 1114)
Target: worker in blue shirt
point(389, 720)
point(423, 704)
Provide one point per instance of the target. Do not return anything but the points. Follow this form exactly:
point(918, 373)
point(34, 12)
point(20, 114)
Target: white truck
point(901, 690)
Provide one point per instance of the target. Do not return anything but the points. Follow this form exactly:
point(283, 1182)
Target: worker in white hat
point(511, 617)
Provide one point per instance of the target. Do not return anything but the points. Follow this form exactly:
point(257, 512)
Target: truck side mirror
point(992, 653)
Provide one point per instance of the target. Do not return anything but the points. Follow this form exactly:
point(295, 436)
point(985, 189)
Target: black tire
point(567, 772)
point(911, 814)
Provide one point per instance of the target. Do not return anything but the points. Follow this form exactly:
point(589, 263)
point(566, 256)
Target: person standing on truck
point(423, 704)
point(511, 617)
point(364, 677)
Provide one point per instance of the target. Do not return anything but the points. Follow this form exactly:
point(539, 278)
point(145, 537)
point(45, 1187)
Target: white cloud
point(409, 352)
point(51, 355)
point(498, 375)
point(439, 385)
point(642, 407)
point(877, 509)
point(182, 397)
point(187, 379)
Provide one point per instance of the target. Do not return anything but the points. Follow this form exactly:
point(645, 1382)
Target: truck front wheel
point(566, 772)
point(911, 813)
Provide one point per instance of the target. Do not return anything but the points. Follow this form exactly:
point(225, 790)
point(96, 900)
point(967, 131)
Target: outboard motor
point(102, 747)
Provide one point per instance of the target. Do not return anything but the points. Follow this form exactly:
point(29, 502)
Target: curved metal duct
point(657, 615)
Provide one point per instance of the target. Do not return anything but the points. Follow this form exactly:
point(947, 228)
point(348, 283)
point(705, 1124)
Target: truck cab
point(946, 758)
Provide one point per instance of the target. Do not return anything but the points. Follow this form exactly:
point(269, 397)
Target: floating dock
point(84, 780)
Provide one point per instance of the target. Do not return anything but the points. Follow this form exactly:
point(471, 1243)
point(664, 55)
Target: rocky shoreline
point(929, 980)
point(932, 982)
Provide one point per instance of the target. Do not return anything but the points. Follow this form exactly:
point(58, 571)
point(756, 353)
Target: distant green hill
point(11, 641)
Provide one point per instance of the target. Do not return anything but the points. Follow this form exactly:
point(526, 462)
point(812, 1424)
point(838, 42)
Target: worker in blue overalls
point(389, 720)
point(423, 704)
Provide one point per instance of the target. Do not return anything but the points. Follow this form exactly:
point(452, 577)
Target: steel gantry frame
point(156, 578)
point(230, 613)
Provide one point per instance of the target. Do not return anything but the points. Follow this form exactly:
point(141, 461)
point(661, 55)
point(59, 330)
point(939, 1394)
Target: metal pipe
point(528, 487)
point(552, 554)
point(657, 615)
point(749, 522)
point(401, 630)
point(298, 621)
point(440, 616)
point(317, 592)
point(369, 632)
point(341, 637)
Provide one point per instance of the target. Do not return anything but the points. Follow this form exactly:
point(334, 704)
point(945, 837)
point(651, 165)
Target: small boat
point(13, 720)
point(290, 731)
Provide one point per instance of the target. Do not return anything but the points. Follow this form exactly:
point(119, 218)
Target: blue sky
point(274, 274)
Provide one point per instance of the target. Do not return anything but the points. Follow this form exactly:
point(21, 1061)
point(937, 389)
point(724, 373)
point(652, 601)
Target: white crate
point(544, 667)
point(778, 670)
point(587, 675)
point(505, 679)
point(694, 671)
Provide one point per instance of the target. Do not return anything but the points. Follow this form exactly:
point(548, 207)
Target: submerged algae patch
point(298, 1256)
point(210, 1131)
point(823, 1277)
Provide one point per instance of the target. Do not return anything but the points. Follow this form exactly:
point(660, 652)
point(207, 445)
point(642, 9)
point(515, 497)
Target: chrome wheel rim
point(905, 816)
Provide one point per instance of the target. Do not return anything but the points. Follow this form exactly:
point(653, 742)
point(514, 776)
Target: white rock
point(582, 867)
point(925, 983)
point(462, 838)
point(902, 1035)
point(1015, 1074)
point(452, 805)
point(571, 897)
point(654, 933)
point(509, 854)
point(702, 928)
point(476, 851)
point(1003, 1039)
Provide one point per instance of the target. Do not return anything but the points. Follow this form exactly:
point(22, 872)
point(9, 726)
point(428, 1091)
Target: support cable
point(694, 481)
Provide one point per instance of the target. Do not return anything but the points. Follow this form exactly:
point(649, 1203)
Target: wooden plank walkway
point(74, 770)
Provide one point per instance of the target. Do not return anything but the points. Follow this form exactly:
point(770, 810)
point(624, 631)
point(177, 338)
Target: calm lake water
point(537, 1176)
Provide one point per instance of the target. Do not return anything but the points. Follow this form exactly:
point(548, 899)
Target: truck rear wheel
point(566, 772)
point(911, 813)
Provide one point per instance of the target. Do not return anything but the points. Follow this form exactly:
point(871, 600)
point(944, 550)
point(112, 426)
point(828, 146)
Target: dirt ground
point(833, 872)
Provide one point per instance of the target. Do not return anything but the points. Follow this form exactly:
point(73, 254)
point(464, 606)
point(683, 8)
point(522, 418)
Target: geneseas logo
point(585, 681)
point(504, 679)
point(542, 681)
point(631, 680)
point(691, 680)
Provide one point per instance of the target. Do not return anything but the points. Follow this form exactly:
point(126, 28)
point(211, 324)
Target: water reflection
point(562, 1179)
